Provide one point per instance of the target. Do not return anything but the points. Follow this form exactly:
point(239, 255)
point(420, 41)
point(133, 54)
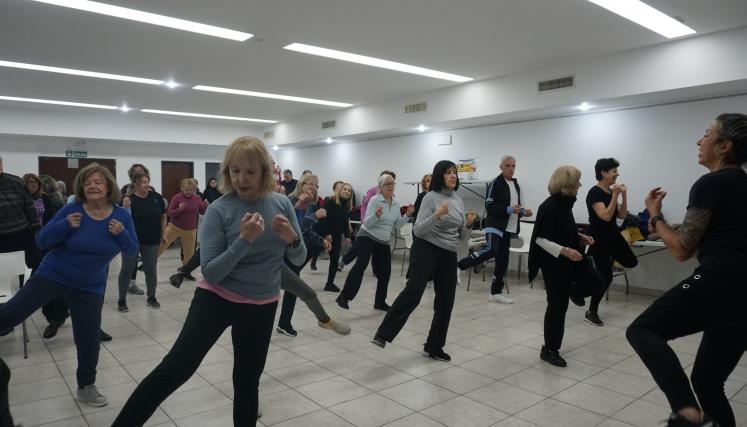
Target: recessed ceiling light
point(272, 96)
point(585, 106)
point(124, 108)
point(207, 116)
point(276, 148)
point(55, 102)
point(374, 62)
point(83, 73)
point(151, 18)
point(329, 140)
point(422, 128)
point(645, 15)
point(171, 84)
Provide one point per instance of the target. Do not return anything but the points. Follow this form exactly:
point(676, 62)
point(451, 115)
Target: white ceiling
point(477, 38)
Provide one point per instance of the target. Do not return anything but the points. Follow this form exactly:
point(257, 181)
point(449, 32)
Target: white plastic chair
point(13, 264)
point(405, 234)
point(521, 245)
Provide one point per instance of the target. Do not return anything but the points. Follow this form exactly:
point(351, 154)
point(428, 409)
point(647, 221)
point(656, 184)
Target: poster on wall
point(467, 169)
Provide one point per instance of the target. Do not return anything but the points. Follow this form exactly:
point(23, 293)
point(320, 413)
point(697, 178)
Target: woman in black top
point(607, 203)
point(149, 215)
point(336, 224)
point(712, 299)
point(212, 193)
point(556, 248)
point(425, 185)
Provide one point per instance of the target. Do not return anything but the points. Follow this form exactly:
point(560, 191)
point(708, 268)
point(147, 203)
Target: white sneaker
point(90, 395)
point(499, 298)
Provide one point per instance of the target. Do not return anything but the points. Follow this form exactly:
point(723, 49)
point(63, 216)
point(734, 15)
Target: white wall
point(20, 155)
point(655, 146)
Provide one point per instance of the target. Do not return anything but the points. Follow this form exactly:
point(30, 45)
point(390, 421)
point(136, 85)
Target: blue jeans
point(85, 310)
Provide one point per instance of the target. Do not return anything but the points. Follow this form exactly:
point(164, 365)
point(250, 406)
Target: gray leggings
point(290, 282)
point(149, 254)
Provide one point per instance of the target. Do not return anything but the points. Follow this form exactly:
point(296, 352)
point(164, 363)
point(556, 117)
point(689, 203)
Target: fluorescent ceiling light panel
point(206, 116)
point(79, 72)
point(151, 18)
point(375, 62)
point(54, 102)
point(272, 96)
point(645, 15)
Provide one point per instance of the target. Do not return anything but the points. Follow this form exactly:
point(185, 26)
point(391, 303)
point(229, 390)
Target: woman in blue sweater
point(82, 239)
point(241, 260)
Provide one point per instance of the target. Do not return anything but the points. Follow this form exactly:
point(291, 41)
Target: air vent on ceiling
point(553, 84)
point(329, 124)
point(416, 108)
point(269, 134)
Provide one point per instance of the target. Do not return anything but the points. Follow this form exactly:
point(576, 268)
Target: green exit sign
point(76, 154)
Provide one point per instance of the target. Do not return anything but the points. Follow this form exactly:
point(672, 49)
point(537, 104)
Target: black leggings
point(334, 258)
point(192, 264)
point(707, 302)
point(6, 420)
point(605, 252)
point(209, 315)
point(426, 261)
point(381, 261)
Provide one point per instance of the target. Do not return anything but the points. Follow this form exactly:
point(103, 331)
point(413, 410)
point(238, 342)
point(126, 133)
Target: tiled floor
point(322, 379)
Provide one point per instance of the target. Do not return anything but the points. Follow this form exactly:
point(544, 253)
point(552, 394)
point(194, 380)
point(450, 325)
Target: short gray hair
point(507, 157)
point(383, 178)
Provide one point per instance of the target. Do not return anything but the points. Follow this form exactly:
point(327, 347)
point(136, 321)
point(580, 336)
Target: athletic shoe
point(499, 298)
point(152, 302)
point(91, 396)
point(438, 355)
point(383, 307)
point(342, 302)
point(51, 330)
point(176, 280)
point(341, 328)
point(134, 289)
point(331, 287)
point(593, 318)
point(122, 306)
point(676, 420)
point(379, 341)
point(313, 266)
point(105, 337)
point(287, 330)
point(466, 263)
point(552, 357)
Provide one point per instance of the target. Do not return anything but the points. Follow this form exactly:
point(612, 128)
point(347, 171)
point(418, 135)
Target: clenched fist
point(115, 227)
point(252, 225)
point(74, 219)
point(283, 228)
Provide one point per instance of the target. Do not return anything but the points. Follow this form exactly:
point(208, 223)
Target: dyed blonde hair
point(247, 147)
point(113, 195)
point(303, 181)
point(339, 199)
point(564, 180)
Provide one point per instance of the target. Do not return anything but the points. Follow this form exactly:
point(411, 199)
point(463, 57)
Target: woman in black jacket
point(556, 248)
point(211, 192)
point(336, 224)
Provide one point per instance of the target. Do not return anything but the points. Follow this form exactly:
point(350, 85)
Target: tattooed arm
point(683, 242)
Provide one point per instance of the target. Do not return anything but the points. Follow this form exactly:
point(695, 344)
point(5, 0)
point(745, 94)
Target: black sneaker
point(342, 302)
point(176, 280)
point(331, 287)
point(552, 357)
point(438, 355)
point(383, 307)
point(287, 330)
point(676, 420)
point(122, 306)
point(51, 330)
point(593, 318)
point(379, 341)
point(105, 337)
point(152, 302)
point(465, 263)
point(313, 266)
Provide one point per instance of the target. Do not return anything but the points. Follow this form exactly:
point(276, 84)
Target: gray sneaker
point(90, 395)
point(134, 289)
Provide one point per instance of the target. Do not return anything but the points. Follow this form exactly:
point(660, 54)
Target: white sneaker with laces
point(90, 395)
point(499, 298)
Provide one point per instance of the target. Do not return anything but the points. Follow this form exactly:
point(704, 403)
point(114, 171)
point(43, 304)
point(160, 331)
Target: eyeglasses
point(388, 184)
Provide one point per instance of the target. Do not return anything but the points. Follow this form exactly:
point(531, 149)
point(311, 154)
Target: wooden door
point(171, 174)
point(64, 169)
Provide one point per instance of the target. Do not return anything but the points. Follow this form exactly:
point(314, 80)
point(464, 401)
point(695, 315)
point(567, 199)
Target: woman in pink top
point(183, 212)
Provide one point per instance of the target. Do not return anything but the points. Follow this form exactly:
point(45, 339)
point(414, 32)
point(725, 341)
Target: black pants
point(605, 252)
point(426, 260)
point(705, 302)
point(6, 420)
point(560, 280)
point(381, 260)
point(209, 315)
point(192, 264)
point(351, 254)
point(22, 241)
point(334, 258)
point(55, 311)
point(497, 247)
point(85, 309)
point(289, 298)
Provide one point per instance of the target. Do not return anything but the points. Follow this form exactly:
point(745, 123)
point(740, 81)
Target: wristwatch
point(655, 219)
point(295, 243)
